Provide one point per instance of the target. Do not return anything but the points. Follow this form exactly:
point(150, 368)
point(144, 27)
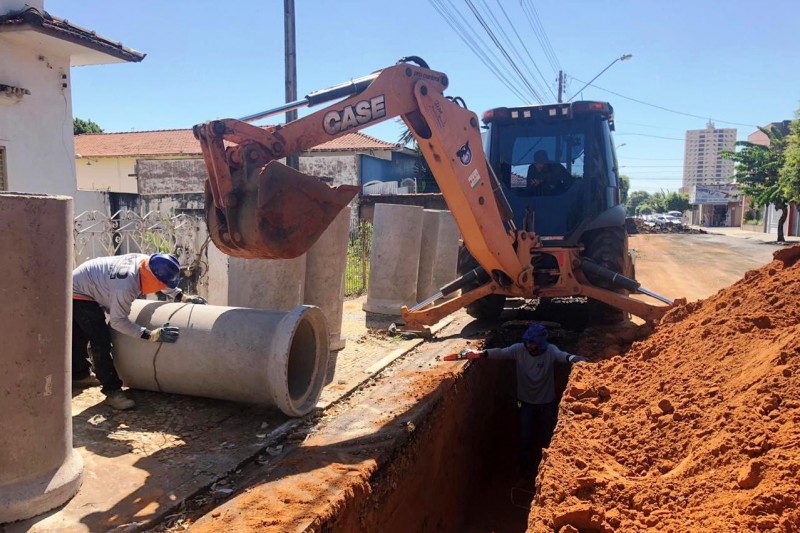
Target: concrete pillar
point(255, 283)
point(438, 257)
point(39, 470)
point(394, 259)
point(275, 358)
point(324, 287)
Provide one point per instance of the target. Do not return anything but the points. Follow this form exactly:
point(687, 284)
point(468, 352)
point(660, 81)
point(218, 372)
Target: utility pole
point(290, 52)
point(560, 85)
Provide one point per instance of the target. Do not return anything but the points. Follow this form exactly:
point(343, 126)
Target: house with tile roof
point(166, 172)
point(37, 51)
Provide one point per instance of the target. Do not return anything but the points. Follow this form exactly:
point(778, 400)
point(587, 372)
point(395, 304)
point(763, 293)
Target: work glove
point(165, 333)
point(192, 299)
point(577, 359)
point(464, 354)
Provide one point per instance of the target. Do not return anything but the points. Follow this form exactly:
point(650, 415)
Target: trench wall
point(435, 476)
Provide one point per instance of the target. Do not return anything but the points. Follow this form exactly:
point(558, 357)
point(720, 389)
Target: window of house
point(3, 179)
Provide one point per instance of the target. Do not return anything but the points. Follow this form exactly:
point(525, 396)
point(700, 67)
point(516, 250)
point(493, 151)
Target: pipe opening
point(302, 361)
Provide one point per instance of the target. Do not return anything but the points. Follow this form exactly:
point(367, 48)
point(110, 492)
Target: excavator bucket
point(280, 215)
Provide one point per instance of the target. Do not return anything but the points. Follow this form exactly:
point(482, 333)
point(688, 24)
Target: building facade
point(37, 52)
point(703, 164)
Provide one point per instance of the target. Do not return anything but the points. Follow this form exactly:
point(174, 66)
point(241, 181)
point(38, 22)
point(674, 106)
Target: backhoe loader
point(557, 237)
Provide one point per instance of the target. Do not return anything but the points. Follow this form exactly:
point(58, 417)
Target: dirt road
point(694, 266)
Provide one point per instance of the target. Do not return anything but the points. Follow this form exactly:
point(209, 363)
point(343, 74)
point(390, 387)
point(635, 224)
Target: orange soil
point(696, 428)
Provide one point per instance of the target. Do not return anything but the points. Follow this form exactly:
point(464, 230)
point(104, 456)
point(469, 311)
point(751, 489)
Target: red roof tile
point(182, 142)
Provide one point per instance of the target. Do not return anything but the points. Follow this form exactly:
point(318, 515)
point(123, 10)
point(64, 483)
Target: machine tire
point(609, 248)
point(488, 307)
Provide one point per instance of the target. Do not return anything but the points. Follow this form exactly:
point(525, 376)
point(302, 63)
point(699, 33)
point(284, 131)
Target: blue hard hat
point(166, 269)
point(536, 334)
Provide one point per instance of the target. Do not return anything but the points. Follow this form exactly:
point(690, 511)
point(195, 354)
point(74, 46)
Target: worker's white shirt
point(113, 282)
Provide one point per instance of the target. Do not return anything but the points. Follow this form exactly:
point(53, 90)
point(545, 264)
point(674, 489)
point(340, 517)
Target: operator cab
point(557, 166)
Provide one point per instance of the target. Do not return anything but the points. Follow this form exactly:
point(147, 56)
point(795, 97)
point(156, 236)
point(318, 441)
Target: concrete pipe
point(438, 259)
point(325, 266)
point(394, 259)
point(255, 283)
point(39, 470)
point(266, 283)
point(274, 358)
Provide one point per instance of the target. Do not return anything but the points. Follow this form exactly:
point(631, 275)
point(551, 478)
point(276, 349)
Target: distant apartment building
point(703, 164)
point(759, 137)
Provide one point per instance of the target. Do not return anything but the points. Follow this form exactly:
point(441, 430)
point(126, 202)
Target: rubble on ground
point(696, 428)
point(638, 225)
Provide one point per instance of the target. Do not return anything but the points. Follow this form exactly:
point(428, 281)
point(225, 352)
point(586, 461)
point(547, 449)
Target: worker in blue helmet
point(110, 285)
point(536, 393)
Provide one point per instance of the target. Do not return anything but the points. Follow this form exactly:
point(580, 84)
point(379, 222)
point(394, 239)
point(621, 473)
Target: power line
point(538, 29)
point(499, 46)
point(665, 108)
point(653, 136)
point(478, 47)
point(651, 166)
point(636, 178)
point(547, 85)
point(499, 29)
point(650, 158)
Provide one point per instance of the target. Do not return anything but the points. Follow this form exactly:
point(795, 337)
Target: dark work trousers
point(536, 425)
point(89, 327)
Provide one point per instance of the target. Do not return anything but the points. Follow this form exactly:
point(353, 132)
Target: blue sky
point(731, 61)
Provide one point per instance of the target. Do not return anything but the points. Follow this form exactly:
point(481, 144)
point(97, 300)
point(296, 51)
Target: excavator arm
point(256, 207)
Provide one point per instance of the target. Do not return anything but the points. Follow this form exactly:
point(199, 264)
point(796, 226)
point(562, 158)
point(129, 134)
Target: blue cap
point(166, 269)
point(536, 334)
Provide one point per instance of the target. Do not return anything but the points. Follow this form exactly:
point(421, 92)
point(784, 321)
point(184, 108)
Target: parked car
point(676, 214)
point(662, 220)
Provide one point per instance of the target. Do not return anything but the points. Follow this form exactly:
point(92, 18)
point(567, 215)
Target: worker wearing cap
point(110, 285)
point(536, 392)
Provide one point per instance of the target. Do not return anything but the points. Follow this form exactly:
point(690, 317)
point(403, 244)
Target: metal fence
point(126, 231)
point(356, 273)
point(98, 234)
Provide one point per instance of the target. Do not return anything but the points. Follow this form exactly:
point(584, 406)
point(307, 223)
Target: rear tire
point(608, 247)
point(488, 307)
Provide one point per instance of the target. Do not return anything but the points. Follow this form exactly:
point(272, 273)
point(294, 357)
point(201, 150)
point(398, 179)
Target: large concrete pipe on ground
point(438, 259)
point(255, 283)
point(39, 470)
point(276, 358)
point(394, 259)
point(325, 266)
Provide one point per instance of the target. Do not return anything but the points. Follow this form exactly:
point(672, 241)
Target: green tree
point(624, 187)
point(677, 202)
point(757, 171)
point(790, 172)
point(634, 199)
point(80, 126)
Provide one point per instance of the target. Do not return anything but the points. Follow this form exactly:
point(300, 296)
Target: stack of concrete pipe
point(315, 278)
point(414, 253)
point(39, 469)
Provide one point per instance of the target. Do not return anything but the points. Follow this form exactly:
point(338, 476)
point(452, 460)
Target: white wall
point(113, 174)
point(37, 130)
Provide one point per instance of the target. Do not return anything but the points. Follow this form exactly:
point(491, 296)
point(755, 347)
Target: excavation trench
point(460, 470)
point(432, 450)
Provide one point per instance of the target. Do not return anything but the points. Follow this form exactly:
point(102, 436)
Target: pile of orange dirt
point(696, 428)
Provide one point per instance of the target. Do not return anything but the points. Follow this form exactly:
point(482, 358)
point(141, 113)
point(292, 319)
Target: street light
point(623, 57)
point(617, 147)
